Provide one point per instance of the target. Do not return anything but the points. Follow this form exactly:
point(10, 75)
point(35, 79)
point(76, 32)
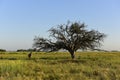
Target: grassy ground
point(59, 66)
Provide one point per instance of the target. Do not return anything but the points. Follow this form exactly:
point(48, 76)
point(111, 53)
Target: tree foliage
point(2, 50)
point(70, 36)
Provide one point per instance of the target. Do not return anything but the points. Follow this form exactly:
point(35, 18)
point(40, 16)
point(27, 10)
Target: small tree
point(70, 36)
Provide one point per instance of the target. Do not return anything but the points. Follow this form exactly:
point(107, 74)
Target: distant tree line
point(25, 50)
point(2, 50)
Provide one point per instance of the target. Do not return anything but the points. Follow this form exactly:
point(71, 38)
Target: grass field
point(60, 66)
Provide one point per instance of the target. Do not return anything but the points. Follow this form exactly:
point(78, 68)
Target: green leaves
point(70, 36)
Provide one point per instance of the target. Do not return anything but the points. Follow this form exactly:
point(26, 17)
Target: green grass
point(60, 66)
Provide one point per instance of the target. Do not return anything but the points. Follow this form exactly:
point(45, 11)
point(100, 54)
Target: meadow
point(60, 66)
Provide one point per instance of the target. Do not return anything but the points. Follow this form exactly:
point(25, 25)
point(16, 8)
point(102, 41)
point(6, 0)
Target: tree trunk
point(72, 54)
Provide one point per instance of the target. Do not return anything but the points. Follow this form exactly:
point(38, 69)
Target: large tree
point(70, 36)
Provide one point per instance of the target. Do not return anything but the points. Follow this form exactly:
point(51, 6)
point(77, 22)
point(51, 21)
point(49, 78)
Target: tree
point(2, 50)
point(70, 36)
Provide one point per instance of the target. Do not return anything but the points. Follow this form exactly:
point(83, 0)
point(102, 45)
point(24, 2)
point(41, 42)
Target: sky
point(22, 20)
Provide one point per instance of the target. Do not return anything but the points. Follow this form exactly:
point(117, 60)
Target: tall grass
point(59, 66)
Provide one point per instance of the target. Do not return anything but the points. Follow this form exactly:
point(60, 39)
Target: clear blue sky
point(22, 20)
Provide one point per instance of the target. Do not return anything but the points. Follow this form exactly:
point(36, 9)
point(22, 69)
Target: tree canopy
point(70, 36)
point(2, 50)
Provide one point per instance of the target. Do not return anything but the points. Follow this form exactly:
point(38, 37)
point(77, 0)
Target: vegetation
point(58, 66)
point(2, 50)
point(71, 37)
point(25, 50)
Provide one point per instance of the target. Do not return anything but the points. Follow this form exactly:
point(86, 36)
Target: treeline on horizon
point(29, 50)
point(19, 50)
